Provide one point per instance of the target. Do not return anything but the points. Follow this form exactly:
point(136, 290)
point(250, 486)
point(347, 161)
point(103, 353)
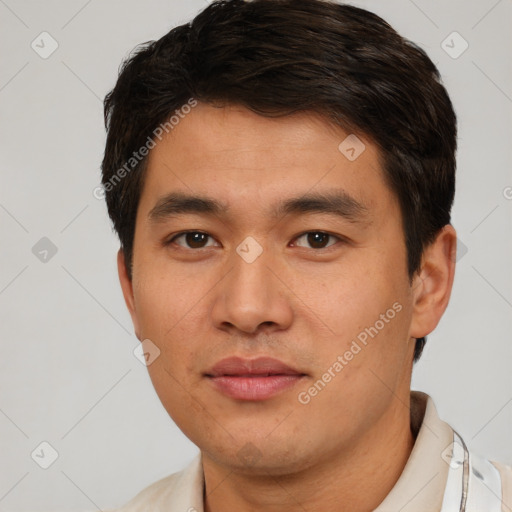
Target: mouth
point(252, 379)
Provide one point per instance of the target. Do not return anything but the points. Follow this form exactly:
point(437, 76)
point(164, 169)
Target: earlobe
point(127, 288)
point(432, 284)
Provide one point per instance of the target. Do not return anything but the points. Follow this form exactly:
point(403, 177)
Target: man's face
point(307, 287)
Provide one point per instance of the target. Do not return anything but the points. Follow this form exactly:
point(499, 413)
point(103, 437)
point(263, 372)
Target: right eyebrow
point(177, 203)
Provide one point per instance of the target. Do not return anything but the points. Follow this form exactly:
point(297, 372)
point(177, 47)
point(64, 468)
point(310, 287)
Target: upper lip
point(238, 366)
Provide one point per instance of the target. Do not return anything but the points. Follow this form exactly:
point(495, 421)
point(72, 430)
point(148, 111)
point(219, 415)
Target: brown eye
point(193, 239)
point(317, 239)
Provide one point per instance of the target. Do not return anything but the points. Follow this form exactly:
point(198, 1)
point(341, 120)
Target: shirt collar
point(422, 483)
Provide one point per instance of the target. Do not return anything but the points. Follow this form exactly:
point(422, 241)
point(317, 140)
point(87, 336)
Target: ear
point(127, 287)
point(432, 284)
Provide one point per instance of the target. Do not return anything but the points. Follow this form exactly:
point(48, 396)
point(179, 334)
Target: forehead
point(222, 131)
point(250, 159)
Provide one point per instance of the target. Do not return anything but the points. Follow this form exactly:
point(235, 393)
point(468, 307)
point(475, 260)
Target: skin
point(298, 302)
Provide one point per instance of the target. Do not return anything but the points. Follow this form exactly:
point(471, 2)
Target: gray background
point(68, 374)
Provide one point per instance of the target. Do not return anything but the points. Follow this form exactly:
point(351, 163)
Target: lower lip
point(254, 388)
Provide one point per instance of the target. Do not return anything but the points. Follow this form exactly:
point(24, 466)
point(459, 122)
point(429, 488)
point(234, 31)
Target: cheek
point(178, 397)
point(167, 309)
point(351, 299)
point(366, 309)
point(171, 313)
point(164, 297)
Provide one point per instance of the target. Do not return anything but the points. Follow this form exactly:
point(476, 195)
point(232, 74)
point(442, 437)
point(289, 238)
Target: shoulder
point(506, 483)
point(180, 491)
point(148, 498)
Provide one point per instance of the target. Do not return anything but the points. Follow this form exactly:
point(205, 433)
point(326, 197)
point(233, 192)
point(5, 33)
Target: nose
point(252, 297)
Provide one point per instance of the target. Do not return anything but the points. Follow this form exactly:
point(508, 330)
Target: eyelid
point(170, 240)
point(339, 238)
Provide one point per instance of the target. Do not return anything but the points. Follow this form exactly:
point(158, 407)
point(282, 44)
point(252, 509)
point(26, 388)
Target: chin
point(251, 458)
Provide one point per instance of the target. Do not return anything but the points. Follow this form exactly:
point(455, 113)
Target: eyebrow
point(178, 203)
point(337, 202)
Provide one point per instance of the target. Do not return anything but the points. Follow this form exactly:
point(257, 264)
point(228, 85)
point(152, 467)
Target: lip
point(252, 379)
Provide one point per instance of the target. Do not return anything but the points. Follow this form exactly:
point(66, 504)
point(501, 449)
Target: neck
point(355, 481)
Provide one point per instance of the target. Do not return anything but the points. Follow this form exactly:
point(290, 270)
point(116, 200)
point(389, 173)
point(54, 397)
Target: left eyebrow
point(338, 202)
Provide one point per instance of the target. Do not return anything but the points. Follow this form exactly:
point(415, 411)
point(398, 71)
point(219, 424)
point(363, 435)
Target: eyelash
point(183, 233)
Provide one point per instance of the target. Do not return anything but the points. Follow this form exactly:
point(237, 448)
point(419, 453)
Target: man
point(280, 174)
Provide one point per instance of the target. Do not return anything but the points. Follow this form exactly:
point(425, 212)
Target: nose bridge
point(250, 295)
point(249, 280)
